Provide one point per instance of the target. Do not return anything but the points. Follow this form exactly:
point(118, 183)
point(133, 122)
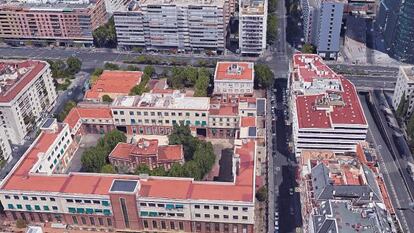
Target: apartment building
point(27, 94)
point(234, 78)
point(326, 110)
point(154, 113)
point(176, 25)
point(5, 148)
point(252, 27)
point(128, 202)
point(127, 156)
point(113, 83)
point(112, 6)
point(322, 25)
point(51, 22)
point(331, 182)
point(404, 91)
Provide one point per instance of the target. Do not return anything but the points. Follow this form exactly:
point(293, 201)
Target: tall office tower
point(322, 25)
point(173, 24)
point(252, 26)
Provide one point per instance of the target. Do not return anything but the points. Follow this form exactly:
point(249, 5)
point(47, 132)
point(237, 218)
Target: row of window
point(91, 221)
point(160, 214)
point(86, 201)
point(132, 113)
point(216, 216)
point(153, 121)
point(216, 207)
point(163, 225)
point(74, 210)
point(29, 207)
point(15, 197)
point(161, 205)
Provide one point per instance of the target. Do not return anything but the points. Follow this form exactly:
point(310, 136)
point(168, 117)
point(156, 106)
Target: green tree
point(74, 65)
point(111, 66)
point(94, 158)
point(66, 109)
point(176, 170)
point(107, 98)
point(308, 48)
point(105, 35)
point(202, 84)
point(263, 77)
point(181, 135)
point(98, 71)
point(112, 138)
point(261, 194)
point(158, 171)
point(108, 168)
point(272, 6)
point(271, 29)
point(132, 68)
point(142, 86)
point(149, 71)
point(142, 169)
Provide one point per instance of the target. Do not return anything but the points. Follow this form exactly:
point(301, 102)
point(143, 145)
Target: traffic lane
point(393, 181)
point(372, 83)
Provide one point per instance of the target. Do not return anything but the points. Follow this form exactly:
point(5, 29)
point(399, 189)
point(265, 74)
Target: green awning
point(72, 210)
point(80, 210)
point(169, 206)
point(153, 214)
point(107, 212)
point(144, 213)
point(89, 211)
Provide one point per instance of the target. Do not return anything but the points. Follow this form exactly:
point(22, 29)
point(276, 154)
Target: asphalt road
point(397, 190)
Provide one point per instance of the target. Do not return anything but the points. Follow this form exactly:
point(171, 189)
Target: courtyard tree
point(263, 77)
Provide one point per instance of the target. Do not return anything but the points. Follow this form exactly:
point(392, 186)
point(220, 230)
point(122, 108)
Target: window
point(54, 208)
point(46, 208)
point(235, 208)
point(69, 200)
point(197, 206)
point(124, 212)
point(83, 220)
point(203, 114)
point(92, 220)
point(244, 217)
point(151, 204)
point(225, 216)
point(121, 112)
point(181, 215)
point(152, 113)
point(109, 221)
point(215, 207)
point(172, 225)
point(154, 224)
point(18, 206)
point(225, 208)
point(7, 196)
point(100, 220)
point(96, 202)
point(216, 227)
point(160, 205)
point(78, 201)
point(216, 216)
point(143, 204)
point(28, 207)
point(131, 113)
point(206, 216)
point(145, 223)
point(87, 201)
point(34, 198)
point(197, 114)
point(16, 197)
point(198, 226)
point(115, 112)
point(206, 207)
point(75, 220)
point(163, 226)
point(197, 215)
point(145, 113)
point(43, 198)
point(235, 217)
point(10, 206)
point(245, 209)
point(105, 203)
point(52, 199)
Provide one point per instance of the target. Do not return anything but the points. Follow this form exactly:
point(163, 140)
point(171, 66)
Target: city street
point(398, 192)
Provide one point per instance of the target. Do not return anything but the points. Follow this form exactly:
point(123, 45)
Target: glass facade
point(402, 48)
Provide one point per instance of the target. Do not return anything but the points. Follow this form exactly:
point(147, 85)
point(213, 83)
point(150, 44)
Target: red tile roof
point(246, 71)
point(171, 153)
point(224, 110)
point(13, 88)
point(309, 67)
point(248, 122)
point(114, 82)
point(76, 113)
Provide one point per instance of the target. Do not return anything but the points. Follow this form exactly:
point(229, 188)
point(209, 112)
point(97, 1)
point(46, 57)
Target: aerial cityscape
point(212, 116)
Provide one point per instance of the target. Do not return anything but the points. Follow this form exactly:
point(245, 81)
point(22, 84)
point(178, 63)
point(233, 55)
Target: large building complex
point(51, 22)
point(395, 22)
point(322, 25)
point(173, 25)
point(234, 78)
point(327, 113)
point(27, 94)
point(252, 27)
point(404, 91)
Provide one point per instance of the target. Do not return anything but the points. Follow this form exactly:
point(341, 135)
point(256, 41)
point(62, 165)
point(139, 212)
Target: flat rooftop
point(16, 75)
point(175, 100)
point(58, 6)
point(408, 71)
point(234, 71)
point(215, 3)
point(252, 7)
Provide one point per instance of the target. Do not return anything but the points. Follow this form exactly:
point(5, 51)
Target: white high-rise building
point(252, 26)
point(173, 24)
point(27, 94)
point(322, 25)
point(404, 87)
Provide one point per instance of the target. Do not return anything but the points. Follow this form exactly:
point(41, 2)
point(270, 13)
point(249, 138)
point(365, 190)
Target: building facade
point(326, 110)
point(27, 95)
point(173, 25)
point(252, 27)
point(61, 23)
point(234, 78)
point(322, 25)
point(127, 157)
point(404, 91)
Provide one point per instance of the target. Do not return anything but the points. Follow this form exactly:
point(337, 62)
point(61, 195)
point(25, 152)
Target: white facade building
point(178, 25)
point(326, 110)
point(404, 87)
point(322, 25)
point(234, 78)
point(5, 148)
point(27, 94)
point(252, 26)
point(116, 5)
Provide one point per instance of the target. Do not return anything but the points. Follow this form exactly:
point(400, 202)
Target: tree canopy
point(271, 29)
point(107, 98)
point(263, 77)
point(111, 66)
point(74, 65)
point(66, 109)
point(261, 194)
point(105, 35)
point(108, 168)
point(308, 48)
point(189, 76)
